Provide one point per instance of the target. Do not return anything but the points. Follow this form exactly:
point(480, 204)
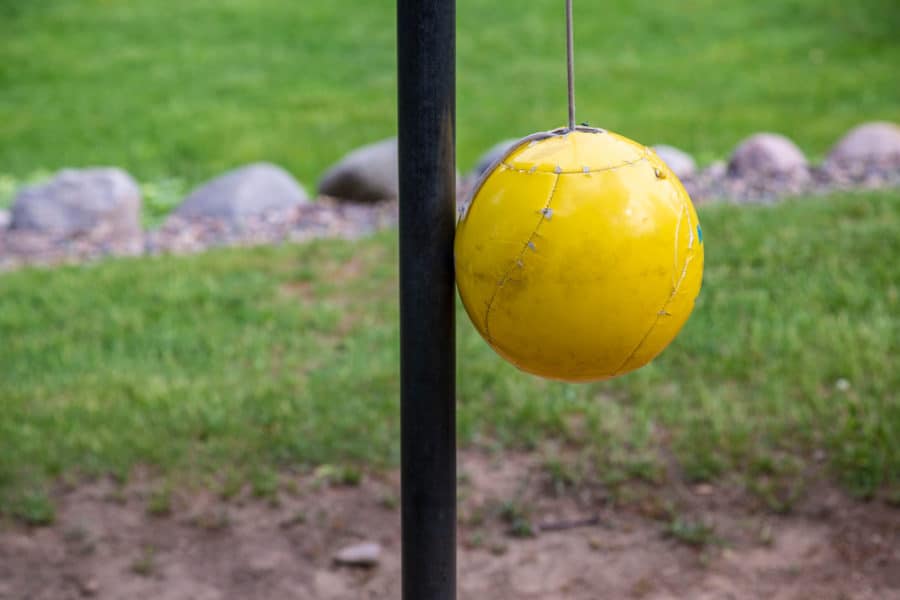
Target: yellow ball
point(579, 255)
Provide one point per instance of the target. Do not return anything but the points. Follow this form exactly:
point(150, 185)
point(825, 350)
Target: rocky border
point(325, 218)
point(86, 215)
point(715, 184)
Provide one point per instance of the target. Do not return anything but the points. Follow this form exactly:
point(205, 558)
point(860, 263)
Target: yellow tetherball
point(579, 255)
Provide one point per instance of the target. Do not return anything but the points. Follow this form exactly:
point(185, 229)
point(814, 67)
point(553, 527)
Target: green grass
point(225, 368)
point(187, 89)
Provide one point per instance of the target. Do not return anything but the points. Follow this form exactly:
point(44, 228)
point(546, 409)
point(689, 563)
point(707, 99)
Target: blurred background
point(176, 399)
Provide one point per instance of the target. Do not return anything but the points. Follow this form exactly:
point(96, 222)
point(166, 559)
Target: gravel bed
point(325, 218)
point(714, 183)
point(328, 218)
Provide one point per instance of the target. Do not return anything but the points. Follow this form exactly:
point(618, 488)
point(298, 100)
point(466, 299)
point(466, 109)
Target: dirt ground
point(104, 544)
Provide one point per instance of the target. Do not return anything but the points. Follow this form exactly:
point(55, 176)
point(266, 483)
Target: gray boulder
point(878, 141)
point(495, 153)
point(99, 202)
point(248, 191)
point(767, 154)
point(681, 163)
point(368, 174)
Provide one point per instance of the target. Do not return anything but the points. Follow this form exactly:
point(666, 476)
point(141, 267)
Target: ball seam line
point(581, 171)
point(518, 260)
point(662, 311)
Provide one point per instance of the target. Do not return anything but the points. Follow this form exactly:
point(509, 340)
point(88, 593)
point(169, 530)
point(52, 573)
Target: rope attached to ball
point(570, 63)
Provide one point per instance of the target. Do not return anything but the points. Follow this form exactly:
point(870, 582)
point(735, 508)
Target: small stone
point(704, 489)
point(842, 385)
point(5, 219)
point(878, 141)
point(681, 163)
point(368, 174)
point(250, 191)
point(766, 154)
point(90, 587)
point(366, 554)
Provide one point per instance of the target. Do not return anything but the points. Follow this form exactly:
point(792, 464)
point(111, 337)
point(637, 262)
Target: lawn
point(179, 91)
point(222, 369)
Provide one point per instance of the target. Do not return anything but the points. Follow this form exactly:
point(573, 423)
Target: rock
point(495, 153)
point(716, 170)
point(767, 154)
point(88, 587)
point(5, 219)
point(248, 191)
point(366, 554)
point(681, 163)
point(367, 174)
point(878, 142)
point(99, 202)
point(704, 489)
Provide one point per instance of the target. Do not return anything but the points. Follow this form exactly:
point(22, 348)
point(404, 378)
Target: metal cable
point(570, 63)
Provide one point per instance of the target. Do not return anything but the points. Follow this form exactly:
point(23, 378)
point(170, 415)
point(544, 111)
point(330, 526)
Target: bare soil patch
point(105, 544)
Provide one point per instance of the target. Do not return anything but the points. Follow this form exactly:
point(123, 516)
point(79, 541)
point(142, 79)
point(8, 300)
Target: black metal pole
point(426, 52)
